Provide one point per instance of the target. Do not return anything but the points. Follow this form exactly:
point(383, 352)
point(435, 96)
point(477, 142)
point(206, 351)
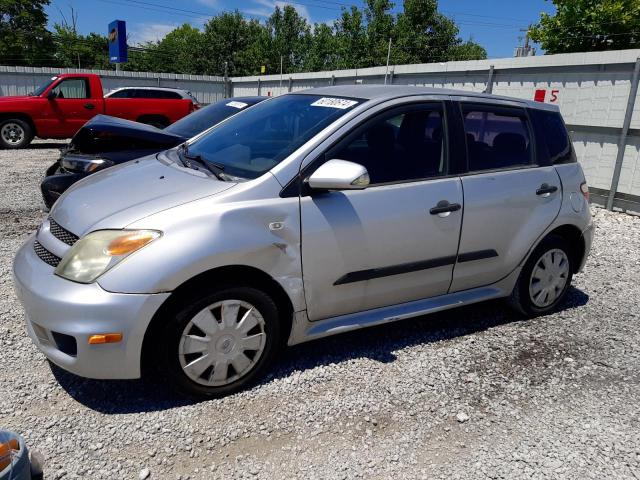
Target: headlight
point(97, 252)
point(84, 165)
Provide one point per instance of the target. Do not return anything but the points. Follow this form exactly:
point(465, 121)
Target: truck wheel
point(545, 278)
point(15, 133)
point(218, 343)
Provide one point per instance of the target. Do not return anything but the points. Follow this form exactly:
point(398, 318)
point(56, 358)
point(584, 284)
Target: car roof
point(389, 92)
point(247, 98)
point(151, 88)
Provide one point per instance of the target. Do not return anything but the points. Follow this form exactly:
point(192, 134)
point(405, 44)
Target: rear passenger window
point(554, 135)
point(496, 137)
point(121, 94)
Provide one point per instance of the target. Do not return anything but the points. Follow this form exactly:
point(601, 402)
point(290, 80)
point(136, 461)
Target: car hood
point(16, 99)
point(118, 196)
point(104, 131)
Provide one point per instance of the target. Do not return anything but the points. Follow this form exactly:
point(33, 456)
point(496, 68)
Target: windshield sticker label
point(235, 104)
point(340, 103)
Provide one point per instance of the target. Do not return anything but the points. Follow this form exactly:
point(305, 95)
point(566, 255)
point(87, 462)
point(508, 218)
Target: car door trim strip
point(478, 255)
point(373, 273)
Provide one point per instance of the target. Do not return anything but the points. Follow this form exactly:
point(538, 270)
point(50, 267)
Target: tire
point(528, 296)
point(231, 359)
point(15, 133)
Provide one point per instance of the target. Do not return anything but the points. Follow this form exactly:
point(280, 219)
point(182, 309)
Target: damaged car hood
point(118, 196)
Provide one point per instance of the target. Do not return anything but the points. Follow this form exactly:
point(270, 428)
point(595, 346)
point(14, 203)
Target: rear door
point(384, 245)
point(510, 195)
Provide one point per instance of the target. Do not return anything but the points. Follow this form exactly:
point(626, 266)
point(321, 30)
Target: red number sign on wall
point(540, 95)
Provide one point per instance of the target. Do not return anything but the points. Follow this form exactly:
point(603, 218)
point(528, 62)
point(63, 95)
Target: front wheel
point(15, 133)
point(545, 278)
point(220, 343)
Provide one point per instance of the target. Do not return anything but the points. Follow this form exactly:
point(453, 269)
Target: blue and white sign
point(117, 41)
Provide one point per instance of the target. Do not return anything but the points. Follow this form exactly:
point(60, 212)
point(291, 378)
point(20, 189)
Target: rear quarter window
point(554, 135)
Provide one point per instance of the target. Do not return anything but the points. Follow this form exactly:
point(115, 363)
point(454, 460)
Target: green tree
point(24, 39)
point(230, 38)
point(288, 37)
point(589, 25)
point(424, 35)
point(182, 51)
point(80, 51)
point(351, 36)
point(381, 26)
point(322, 53)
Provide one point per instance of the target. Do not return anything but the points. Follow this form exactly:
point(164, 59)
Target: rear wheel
point(220, 343)
point(545, 278)
point(15, 133)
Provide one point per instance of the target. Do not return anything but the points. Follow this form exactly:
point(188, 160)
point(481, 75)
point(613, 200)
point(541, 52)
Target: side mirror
point(339, 175)
point(51, 95)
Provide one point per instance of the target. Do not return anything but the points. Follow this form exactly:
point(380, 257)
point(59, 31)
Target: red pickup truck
point(63, 104)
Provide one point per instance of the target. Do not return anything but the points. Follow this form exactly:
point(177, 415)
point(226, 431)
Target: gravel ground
point(470, 393)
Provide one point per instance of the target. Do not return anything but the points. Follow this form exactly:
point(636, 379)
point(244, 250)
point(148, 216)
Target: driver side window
point(71, 88)
point(405, 144)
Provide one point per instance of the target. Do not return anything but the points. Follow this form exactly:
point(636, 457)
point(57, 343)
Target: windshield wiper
point(193, 161)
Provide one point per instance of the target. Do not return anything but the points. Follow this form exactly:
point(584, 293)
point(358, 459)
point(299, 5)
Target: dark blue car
point(105, 141)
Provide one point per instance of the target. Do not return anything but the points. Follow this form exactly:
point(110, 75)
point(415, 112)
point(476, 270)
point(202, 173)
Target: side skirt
point(304, 330)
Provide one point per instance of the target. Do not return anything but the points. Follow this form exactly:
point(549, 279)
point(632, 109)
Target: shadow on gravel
point(377, 343)
point(45, 145)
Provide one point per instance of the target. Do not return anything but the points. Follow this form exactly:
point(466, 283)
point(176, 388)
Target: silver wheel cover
point(549, 278)
point(12, 133)
point(222, 343)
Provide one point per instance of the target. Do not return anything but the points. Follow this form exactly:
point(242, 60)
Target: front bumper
point(59, 311)
point(56, 183)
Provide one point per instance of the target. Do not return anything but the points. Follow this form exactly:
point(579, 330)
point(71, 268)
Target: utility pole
point(280, 73)
point(388, 57)
point(525, 50)
point(226, 80)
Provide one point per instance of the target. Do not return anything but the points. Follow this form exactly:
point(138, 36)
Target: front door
point(384, 245)
point(72, 106)
point(509, 199)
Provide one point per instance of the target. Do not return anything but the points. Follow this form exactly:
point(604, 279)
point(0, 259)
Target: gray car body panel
point(305, 244)
point(146, 186)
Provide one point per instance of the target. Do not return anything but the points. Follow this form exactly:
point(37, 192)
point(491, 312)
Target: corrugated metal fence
point(596, 92)
point(22, 80)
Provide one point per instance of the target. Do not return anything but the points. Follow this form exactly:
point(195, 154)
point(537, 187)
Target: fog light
point(105, 338)
point(6, 451)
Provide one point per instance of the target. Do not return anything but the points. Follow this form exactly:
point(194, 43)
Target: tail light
point(584, 188)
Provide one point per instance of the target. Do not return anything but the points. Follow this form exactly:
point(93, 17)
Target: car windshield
point(208, 116)
point(38, 91)
point(251, 144)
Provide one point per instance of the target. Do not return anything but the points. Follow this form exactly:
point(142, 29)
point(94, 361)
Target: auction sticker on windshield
point(235, 104)
point(340, 103)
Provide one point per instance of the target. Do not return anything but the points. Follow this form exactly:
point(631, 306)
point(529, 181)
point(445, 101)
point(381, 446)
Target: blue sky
point(495, 24)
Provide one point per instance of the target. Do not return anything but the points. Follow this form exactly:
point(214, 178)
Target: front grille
point(62, 234)
point(45, 255)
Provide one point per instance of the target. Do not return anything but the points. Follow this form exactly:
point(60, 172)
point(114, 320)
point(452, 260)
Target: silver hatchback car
point(307, 215)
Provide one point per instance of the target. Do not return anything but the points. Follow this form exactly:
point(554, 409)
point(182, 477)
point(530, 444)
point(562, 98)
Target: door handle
point(89, 106)
point(444, 207)
point(546, 189)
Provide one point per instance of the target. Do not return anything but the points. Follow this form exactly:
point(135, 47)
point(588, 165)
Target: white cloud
point(150, 32)
point(209, 3)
